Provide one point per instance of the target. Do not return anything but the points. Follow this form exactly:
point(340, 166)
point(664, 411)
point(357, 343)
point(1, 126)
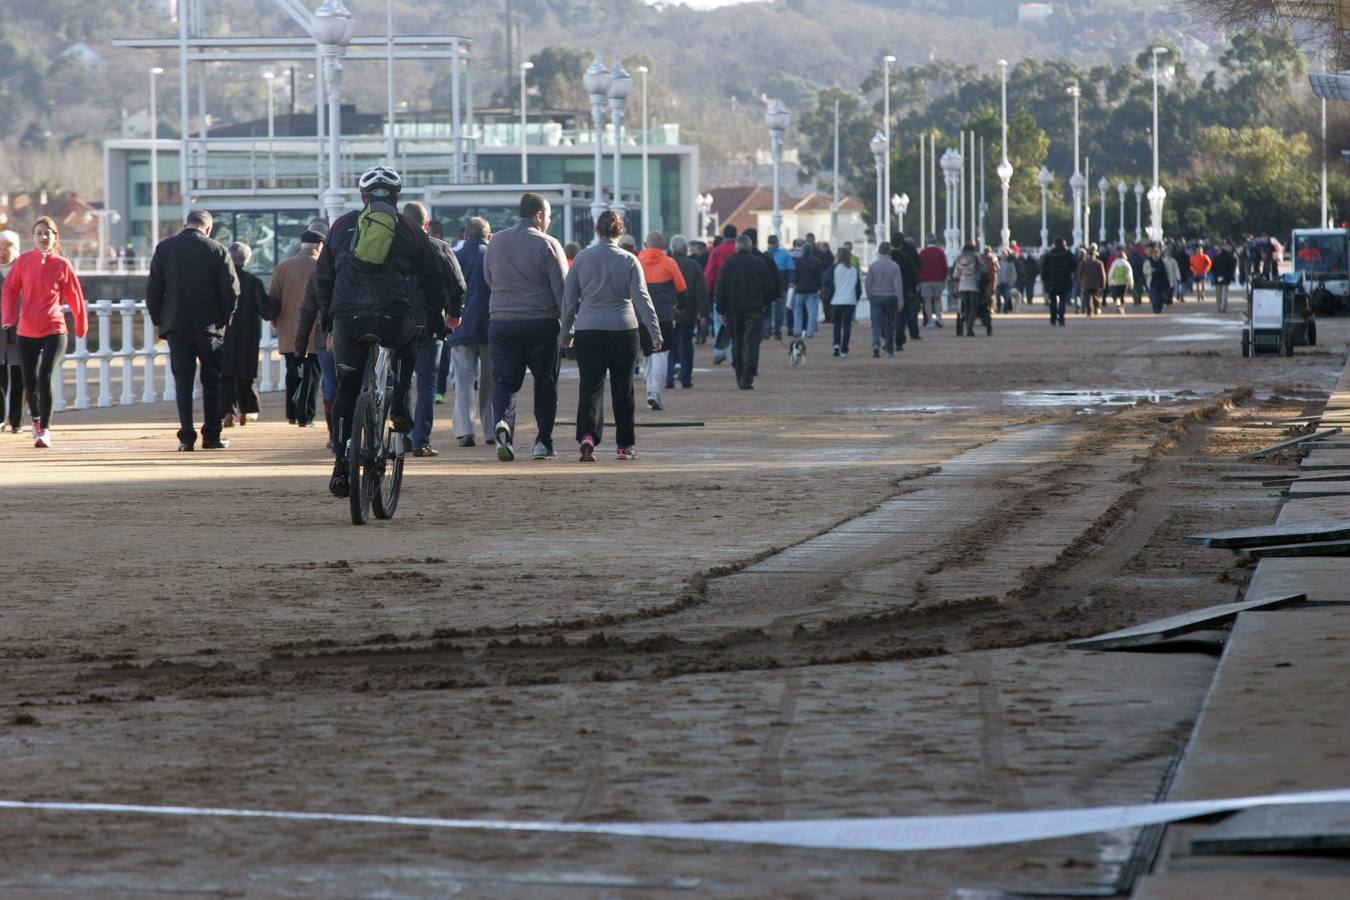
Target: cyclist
point(361, 284)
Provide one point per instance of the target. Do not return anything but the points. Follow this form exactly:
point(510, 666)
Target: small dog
point(797, 352)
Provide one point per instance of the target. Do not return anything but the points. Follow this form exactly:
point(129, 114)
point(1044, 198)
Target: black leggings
point(41, 359)
point(600, 353)
point(11, 389)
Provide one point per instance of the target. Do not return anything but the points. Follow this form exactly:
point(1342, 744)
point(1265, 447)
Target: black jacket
point(240, 356)
point(697, 304)
point(1058, 268)
point(1225, 267)
point(347, 287)
point(907, 258)
point(449, 301)
point(810, 274)
point(192, 285)
point(747, 284)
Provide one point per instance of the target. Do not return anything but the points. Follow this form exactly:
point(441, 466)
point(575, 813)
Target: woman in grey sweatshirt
point(604, 294)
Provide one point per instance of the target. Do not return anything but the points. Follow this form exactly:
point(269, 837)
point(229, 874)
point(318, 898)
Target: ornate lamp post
point(1045, 178)
point(776, 117)
point(271, 78)
point(951, 174)
point(646, 142)
point(1156, 194)
point(1005, 168)
point(525, 67)
point(879, 156)
point(597, 80)
point(1102, 187)
point(333, 30)
point(886, 130)
point(154, 160)
point(1138, 211)
point(1121, 190)
point(620, 86)
point(900, 205)
point(705, 205)
point(1077, 182)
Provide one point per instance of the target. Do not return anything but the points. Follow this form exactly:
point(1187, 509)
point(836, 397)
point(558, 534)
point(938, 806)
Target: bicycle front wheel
point(363, 459)
point(385, 497)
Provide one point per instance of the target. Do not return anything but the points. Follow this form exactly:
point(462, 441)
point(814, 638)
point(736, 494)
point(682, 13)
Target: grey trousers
point(463, 358)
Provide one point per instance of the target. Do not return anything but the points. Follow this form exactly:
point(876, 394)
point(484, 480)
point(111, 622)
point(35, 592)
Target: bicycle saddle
point(369, 340)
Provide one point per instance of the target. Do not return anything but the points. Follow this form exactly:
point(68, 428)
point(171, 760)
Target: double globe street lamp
point(776, 117)
point(332, 29)
point(878, 146)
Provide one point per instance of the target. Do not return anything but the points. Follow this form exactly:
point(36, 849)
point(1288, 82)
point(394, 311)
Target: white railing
point(147, 363)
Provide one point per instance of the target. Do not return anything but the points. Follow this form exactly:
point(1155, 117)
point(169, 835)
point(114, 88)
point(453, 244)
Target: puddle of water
point(1094, 398)
point(929, 410)
point(1196, 337)
point(1214, 321)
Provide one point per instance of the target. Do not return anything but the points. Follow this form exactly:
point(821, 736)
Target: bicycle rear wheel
point(385, 497)
point(362, 460)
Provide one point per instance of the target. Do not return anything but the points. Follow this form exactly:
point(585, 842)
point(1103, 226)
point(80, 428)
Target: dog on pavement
point(797, 352)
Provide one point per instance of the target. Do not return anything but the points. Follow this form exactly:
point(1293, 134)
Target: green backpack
point(374, 233)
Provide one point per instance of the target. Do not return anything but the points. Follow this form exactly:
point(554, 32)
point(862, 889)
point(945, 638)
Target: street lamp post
point(1156, 194)
point(646, 143)
point(1121, 190)
point(271, 78)
point(900, 205)
point(777, 118)
point(1138, 211)
point(705, 205)
point(879, 155)
point(1005, 168)
point(887, 60)
point(834, 185)
point(1077, 182)
point(154, 159)
point(333, 30)
point(1045, 178)
point(1102, 187)
point(951, 174)
point(103, 216)
point(620, 86)
point(597, 80)
point(524, 143)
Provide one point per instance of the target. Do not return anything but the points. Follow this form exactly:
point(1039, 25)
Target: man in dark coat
point(441, 308)
point(468, 344)
point(1058, 268)
point(906, 256)
point(239, 355)
point(191, 295)
point(694, 310)
point(746, 288)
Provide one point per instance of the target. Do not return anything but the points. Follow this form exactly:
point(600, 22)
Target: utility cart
point(1280, 319)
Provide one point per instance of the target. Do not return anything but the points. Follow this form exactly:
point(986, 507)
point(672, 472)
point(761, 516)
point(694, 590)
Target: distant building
point(1034, 13)
point(751, 206)
point(86, 56)
point(74, 217)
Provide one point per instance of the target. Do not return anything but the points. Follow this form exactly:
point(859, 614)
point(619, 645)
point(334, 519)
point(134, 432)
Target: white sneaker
point(42, 438)
point(502, 435)
point(653, 401)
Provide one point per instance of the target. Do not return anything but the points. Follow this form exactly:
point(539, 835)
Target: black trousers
point(1056, 299)
point(909, 314)
point(349, 355)
point(237, 396)
point(187, 350)
point(599, 353)
point(11, 388)
point(747, 330)
point(516, 346)
point(40, 359)
point(302, 387)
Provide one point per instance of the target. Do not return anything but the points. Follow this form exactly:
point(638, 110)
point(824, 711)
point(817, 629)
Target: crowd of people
point(476, 317)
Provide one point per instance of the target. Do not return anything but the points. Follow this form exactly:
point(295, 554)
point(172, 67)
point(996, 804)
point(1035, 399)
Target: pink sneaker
point(626, 453)
point(41, 437)
point(587, 449)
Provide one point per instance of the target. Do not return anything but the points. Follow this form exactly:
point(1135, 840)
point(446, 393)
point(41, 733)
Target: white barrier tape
point(893, 834)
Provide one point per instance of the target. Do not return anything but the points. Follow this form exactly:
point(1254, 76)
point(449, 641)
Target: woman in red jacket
point(30, 309)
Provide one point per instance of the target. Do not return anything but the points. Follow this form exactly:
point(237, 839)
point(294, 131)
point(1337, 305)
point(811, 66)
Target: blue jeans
point(516, 346)
point(884, 314)
point(805, 312)
point(683, 356)
point(773, 323)
point(428, 364)
point(328, 369)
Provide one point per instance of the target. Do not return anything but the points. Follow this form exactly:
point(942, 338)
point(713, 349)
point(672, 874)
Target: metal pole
point(154, 160)
point(923, 179)
point(1005, 169)
point(777, 142)
point(1120, 194)
point(961, 194)
point(1102, 186)
point(834, 202)
point(524, 144)
point(456, 122)
point(886, 113)
point(1324, 222)
point(320, 118)
point(184, 132)
point(391, 148)
point(470, 116)
point(932, 182)
point(616, 113)
point(984, 206)
point(271, 129)
point(646, 139)
point(333, 199)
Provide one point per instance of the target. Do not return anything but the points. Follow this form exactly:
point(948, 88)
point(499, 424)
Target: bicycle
point(375, 452)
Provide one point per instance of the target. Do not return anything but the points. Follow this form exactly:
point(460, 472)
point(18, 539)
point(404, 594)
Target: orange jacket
point(1200, 264)
point(665, 281)
point(33, 294)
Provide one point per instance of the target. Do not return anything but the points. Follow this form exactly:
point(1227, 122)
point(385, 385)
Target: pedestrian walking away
point(362, 287)
point(904, 254)
point(470, 354)
point(806, 294)
point(786, 266)
point(605, 299)
point(712, 270)
point(239, 352)
point(884, 288)
point(302, 370)
point(1058, 268)
point(971, 276)
point(524, 269)
point(1120, 280)
point(1091, 282)
point(847, 291)
point(691, 313)
point(440, 306)
point(1158, 280)
point(1225, 267)
point(746, 287)
point(932, 281)
point(1008, 277)
point(34, 323)
point(668, 289)
point(1200, 266)
point(11, 371)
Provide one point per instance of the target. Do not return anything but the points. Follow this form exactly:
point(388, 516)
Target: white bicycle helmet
point(380, 181)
